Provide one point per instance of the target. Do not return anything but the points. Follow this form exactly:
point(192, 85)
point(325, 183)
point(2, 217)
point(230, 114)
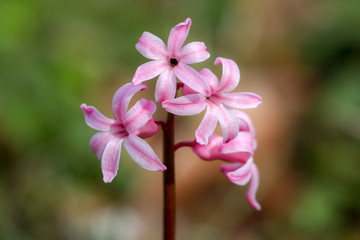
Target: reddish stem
point(184, 144)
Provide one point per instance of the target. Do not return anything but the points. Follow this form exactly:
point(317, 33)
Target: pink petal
point(228, 123)
point(243, 100)
point(211, 79)
point(245, 123)
point(142, 153)
point(186, 105)
point(122, 98)
point(243, 142)
point(149, 70)
point(152, 47)
point(95, 119)
point(187, 90)
point(98, 143)
point(207, 125)
point(253, 187)
point(192, 78)
point(241, 175)
point(148, 130)
point(165, 86)
point(139, 115)
point(230, 76)
point(177, 37)
point(193, 52)
point(110, 159)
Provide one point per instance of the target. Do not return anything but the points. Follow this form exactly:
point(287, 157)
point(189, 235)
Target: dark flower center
point(173, 62)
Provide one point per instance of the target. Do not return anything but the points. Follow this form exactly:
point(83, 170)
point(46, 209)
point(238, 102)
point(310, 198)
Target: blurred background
point(302, 57)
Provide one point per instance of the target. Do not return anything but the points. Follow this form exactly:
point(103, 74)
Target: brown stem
point(169, 179)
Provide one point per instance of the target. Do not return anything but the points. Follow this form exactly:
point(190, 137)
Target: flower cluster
point(200, 90)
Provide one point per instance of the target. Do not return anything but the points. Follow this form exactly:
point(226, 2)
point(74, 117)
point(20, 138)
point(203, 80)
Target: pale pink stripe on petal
point(230, 76)
point(193, 52)
point(152, 47)
point(148, 130)
point(149, 70)
point(186, 105)
point(207, 125)
point(138, 115)
point(165, 86)
point(192, 78)
point(228, 123)
point(122, 98)
point(253, 187)
point(95, 119)
point(243, 100)
point(142, 153)
point(243, 142)
point(98, 143)
point(110, 159)
point(177, 37)
point(211, 79)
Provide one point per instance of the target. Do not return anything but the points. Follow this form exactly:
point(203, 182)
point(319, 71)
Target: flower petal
point(193, 52)
point(228, 123)
point(187, 90)
point(243, 142)
point(177, 37)
point(139, 115)
point(211, 79)
point(165, 86)
point(148, 71)
point(245, 123)
point(207, 125)
point(152, 47)
point(230, 76)
point(241, 175)
point(142, 153)
point(122, 98)
point(253, 187)
point(110, 159)
point(192, 78)
point(95, 119)
point(186, 105)
point(148, 130)
point(243, 100)
point(98, 143)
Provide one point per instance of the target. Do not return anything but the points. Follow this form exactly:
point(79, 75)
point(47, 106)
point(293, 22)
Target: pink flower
point(170, 61)
point(125, 128)
point(217, 102)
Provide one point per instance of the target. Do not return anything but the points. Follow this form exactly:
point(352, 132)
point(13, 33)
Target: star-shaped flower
point(170, 61)
point(125, 128)
point(216, 100)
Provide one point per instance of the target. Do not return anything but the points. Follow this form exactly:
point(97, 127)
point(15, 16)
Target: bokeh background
point(302, 57)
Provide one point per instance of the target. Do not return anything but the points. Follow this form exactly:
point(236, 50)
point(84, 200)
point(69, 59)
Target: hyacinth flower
point(217, 100)
point(171, 61)
point(126, 128)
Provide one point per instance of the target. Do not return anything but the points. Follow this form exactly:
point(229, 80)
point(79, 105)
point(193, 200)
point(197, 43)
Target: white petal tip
point(108, 176)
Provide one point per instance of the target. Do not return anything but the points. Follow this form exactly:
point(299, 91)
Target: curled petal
point(211, 79)
point(243, 100)
point(148, 71)
point(230, 76)
point(152, 47)
point(239, 176)
point(122, 98)
point(186, 105)
point(148, 130)
point(253, 187)
point(207, 125)
point(165, 86)
point(110, 159)
point(98, 143)
point(95, 119)
point(139, 115)
point(142, 153)
point(193, 52)
point(245, 123)
point(243, 142)
point(192, 78)
point(177, 37)
point(228, 123)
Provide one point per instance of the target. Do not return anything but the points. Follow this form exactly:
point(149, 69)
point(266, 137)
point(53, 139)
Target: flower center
point(173, 62)
point(118, 129)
